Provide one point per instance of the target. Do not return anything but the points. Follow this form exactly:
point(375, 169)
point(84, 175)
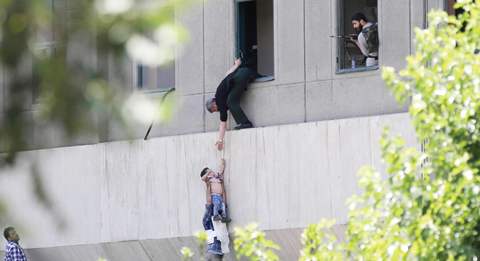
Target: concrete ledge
point(289, 241)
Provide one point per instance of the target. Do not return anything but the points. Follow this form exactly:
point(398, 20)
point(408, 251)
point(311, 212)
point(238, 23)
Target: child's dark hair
point(204, 171)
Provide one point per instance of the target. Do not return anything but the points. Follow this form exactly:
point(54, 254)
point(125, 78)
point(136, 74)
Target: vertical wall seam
point(304, 62)
point(332, 196)
point(425, 8)
point(4, 89)
point(203, 67)
point(276, 33)
point(411, 25)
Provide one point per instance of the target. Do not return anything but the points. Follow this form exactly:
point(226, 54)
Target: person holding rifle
point(367, 38)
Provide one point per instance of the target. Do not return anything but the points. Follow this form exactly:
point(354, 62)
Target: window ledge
point(160, 90)
point(156, 93)
point(265, 79)
point(359, 69)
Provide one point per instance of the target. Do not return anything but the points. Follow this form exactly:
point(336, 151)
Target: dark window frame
point(449, 6)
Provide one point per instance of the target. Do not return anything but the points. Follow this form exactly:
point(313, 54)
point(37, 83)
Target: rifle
point(354, 36)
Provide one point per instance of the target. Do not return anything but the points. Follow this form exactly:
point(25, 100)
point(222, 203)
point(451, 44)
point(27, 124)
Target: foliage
point(201, 241)
point(186, 253)
point(429, 207)
point(253, 244)
point(437, 206)
point(320, 244)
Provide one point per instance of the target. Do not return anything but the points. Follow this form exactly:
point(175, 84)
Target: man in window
point(367, 38)
point(13, 251)
point(228, 96)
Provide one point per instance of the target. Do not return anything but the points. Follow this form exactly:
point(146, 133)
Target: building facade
point(317, 119)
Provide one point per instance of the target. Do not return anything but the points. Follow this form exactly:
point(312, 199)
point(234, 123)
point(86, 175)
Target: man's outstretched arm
point(223, 129)
point(222, 168)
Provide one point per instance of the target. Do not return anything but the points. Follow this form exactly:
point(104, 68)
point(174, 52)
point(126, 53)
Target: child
point(215, 182)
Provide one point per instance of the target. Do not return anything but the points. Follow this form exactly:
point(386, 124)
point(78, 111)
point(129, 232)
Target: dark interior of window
point(452, 11)
point(255, 36)
point(347, 48)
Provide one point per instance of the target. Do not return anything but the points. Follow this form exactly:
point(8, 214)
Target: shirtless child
point(215, 182)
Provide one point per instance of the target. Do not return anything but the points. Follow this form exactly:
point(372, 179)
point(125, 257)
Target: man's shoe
point(226, 220)
point(244, 125)
point(217, 218)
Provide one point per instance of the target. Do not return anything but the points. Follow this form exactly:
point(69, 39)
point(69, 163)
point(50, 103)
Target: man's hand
point(238, 62)
point(219, 145)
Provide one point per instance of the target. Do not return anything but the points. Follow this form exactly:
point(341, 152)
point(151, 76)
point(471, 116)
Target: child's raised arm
point(222, 169)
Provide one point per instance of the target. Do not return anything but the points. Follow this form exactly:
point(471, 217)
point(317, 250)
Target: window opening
point(347, 49)
point(161, 77)
point(49, 38)
point(255, 37)
point(156, 78)
point(450, 9)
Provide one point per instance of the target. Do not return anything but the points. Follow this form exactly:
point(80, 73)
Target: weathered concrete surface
point(289, 241)
point(283, 177)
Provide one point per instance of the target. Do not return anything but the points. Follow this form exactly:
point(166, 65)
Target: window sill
point(359, 69)
point(265, 79)
point(160, 90)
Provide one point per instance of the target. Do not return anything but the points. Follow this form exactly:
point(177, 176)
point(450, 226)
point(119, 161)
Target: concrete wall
point(283, 177)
